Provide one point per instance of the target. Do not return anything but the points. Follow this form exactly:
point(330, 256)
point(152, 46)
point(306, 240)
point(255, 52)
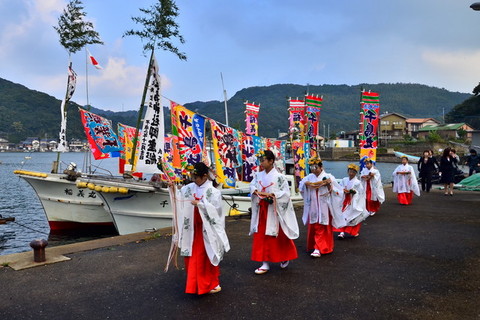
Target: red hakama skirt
point(353, 230)
point(269, 248)
point(202, 275)
point(405, 197)
point(372, 206)
point(320, 237)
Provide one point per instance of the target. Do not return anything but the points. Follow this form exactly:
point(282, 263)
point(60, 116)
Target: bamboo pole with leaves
point(159, 28)
point(74, 34)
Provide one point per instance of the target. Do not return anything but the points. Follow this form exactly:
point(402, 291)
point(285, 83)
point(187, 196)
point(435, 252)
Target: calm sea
point(18, 199)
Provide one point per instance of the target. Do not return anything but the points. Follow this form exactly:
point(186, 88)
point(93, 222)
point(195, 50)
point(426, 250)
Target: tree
point(159, 27)
point(476, 90)
point(75, 33)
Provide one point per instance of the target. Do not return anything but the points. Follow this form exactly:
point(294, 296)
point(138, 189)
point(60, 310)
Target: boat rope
point(234, 206)
point(22, 225)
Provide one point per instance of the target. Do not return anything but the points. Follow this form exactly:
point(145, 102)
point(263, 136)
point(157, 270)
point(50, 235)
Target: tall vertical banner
point(297, 118)
point(369, 121)
point(176, 163)
point(153, 132)
point(297, 133)
point(191, 136)
point(225, 153)
point(103, 141)
point(126, 135)
point(71, 84)
point(251, 120)
point(313, 105)
point(173, 173)
point(249, 160)
point(298, 152)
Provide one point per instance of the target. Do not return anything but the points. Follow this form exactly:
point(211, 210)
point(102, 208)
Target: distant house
point(29, 144)
point(446, 131)
point(3, 144)
point(414, 124)
point(392, 126)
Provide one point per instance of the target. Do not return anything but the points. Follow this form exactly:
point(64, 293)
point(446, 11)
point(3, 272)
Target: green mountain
point(29, 113)
point(341, 104)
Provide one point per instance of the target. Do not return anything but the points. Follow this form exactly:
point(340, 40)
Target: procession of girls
point(329, 207)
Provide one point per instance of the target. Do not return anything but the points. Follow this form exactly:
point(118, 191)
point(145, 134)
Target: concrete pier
point(409, 262)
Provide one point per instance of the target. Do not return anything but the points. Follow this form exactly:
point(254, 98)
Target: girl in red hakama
point(202, 276)
point(405, 182)
point(202, 237)
point(372, 183)
point(273, 224)
point(353, 205)
point(317, 190)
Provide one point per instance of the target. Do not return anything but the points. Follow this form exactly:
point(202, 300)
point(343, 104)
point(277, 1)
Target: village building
point(414, 124)
point(447, 131)
point(393, 126)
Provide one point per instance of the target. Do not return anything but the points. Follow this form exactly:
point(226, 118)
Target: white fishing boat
point(138, 206)
point(66, 206)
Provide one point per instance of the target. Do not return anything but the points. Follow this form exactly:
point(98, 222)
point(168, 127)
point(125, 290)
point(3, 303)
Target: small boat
point(409, 157)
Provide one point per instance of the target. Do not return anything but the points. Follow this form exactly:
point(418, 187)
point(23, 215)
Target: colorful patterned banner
point(249, 160)
point(125, 136)
point(314, 105)
point(251, 120)
point(297, 118)
point(298, 160)
point(171, 158)
point(191, 136)
point(225, 153)
point(369, 121)
point(150, 151)
point(102, 139)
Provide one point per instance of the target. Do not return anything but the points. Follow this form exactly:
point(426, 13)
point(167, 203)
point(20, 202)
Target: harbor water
point(19, 200)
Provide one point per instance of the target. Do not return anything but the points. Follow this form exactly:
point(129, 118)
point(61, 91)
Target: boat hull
point(139, 211)
point(65, 205)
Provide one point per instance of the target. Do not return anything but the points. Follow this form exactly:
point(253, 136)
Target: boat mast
point(225, 100)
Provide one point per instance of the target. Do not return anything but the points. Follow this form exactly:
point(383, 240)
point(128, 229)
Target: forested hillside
point(468, 111)
point(29, 113)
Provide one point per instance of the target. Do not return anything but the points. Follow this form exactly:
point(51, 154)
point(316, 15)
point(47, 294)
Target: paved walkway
point(415, 262)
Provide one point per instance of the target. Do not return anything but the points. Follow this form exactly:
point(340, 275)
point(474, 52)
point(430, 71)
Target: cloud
point(457, 69)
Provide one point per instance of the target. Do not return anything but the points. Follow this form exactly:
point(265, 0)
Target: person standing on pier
point(372, 184)
point(405, 182)
point(202, 239)
point(320, 191)
point(473, 162)
point(273, 224)
point(448, 165)
point(426, 168)
point(353, 205)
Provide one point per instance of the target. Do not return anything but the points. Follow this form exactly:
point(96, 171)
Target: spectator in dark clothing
point(473, 162)
point(447, 169)
point(426, 167)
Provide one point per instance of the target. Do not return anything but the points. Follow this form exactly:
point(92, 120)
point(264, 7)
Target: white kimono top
point(405, 183)
point(356, 211)
point(210, 209)
point(319, 206)
point(378, 194)
point(282, 214)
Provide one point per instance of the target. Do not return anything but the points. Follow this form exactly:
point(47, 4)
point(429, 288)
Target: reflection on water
point(18, 199)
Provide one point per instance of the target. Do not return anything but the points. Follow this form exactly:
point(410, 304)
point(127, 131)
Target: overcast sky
point(252, 42)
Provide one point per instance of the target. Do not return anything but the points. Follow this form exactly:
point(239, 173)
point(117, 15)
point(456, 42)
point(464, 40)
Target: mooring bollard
point(38, 246)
